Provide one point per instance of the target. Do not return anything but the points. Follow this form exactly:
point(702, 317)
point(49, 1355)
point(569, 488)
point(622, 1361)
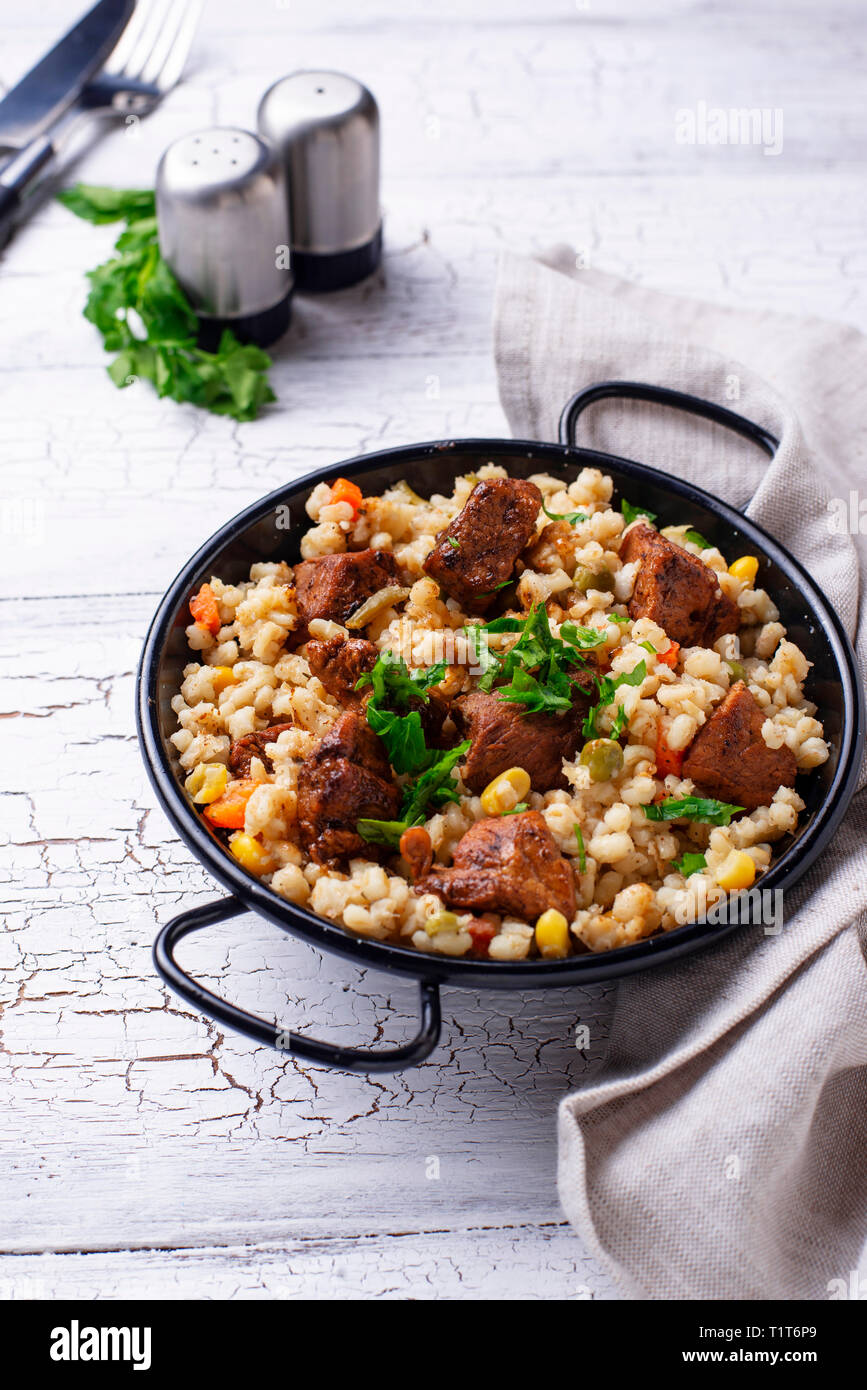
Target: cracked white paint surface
point(145, 1152)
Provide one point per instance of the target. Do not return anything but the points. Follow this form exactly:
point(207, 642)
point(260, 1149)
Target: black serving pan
point(267, 530)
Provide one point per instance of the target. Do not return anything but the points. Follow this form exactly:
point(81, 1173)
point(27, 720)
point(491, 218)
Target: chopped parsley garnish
point(698, 539)
point(396, 688)
point(697, 808)
point(607, 687)
point(633, 513)
point(648, 647)
point(583, 637)
point(455, 545)
point(517, 810)
point(618, 617)
point(582, 854)
point(535, 671)
point(434, 788)
point(394, 684)
point(689, 864)
point(436, 785)
point(382, 832)
point(145, 317)
point(572, 517)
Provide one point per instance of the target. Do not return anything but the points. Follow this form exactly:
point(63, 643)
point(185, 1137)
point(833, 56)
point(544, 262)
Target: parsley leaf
point(395, 684)
point(537, 698)
point(535, 671)
point(402, 735)
point(583, 637)
point(144, 316)
point(582, 853)
point(696, 808)
point(632, 513)
point(698, 539)
point(97, 204)
point(607, 687)
point(572, 517)
point(382, 832)
point(396, 688)
point(690, 864)
point(455, 545)
point(436, 786)
point(618, 617)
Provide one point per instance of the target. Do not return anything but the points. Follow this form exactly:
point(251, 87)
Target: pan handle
point(329, 1054)
point(662, 395)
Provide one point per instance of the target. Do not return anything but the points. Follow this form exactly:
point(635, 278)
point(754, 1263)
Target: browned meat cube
point(339, 662)
point(503, 736)
point(251, 746)
point(509, 865)
point(346, 778)
point(729, 759)
point(335, 585)
point(676, 590)
point(477, 551)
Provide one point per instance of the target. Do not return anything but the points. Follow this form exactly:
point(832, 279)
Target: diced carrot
point(669, 658)
point(667, 759)
point(229, 810)
point(343, 490)
point(483, 930)
point(205, 609)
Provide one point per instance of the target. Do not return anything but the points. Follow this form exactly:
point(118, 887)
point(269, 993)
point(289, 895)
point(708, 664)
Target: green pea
point(586, 579)
point(603, 758)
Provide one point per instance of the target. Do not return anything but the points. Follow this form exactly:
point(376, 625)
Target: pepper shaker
point(325, 129)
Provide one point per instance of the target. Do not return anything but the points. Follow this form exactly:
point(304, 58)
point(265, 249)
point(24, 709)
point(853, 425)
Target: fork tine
point(154, 18)
point(129, 40)
point(166, 62)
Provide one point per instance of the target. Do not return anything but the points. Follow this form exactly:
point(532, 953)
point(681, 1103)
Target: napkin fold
point(720, 1152)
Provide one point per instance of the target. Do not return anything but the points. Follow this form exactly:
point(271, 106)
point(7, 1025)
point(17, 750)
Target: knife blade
point(56, 81)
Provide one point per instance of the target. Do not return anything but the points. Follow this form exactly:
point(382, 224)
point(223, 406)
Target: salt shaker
point(224, 231)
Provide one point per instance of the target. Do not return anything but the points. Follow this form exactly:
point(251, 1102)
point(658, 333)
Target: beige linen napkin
point(722, 1150)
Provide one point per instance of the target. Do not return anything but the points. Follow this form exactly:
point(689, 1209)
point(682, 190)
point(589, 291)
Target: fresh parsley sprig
point(698, 539)
point(690, 864)
point(436, 787)
point(633, 513)
point(395, 688)
point(607, 687)
point(144, 316)
point(535, 671)
point(582, 853)
point(573, 518)
point(695, 808)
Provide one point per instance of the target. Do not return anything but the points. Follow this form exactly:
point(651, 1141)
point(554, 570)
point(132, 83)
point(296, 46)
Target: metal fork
point(145, 64)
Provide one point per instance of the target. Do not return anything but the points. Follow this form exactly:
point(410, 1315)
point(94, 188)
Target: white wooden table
point(144, 1152)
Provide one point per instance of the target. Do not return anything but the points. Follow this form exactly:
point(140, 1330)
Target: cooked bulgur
point(633, 876)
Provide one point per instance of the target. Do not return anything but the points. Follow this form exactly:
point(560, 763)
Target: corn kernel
point(221, 676)
point(745, 569)
point(440, 922)
point(505, 792)
point(206, 783)
point(738, 870)
point(552, 935)
point(249, 853)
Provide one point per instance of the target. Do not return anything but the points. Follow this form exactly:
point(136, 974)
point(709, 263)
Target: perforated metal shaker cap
point(224, 230)
point(325, 127)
